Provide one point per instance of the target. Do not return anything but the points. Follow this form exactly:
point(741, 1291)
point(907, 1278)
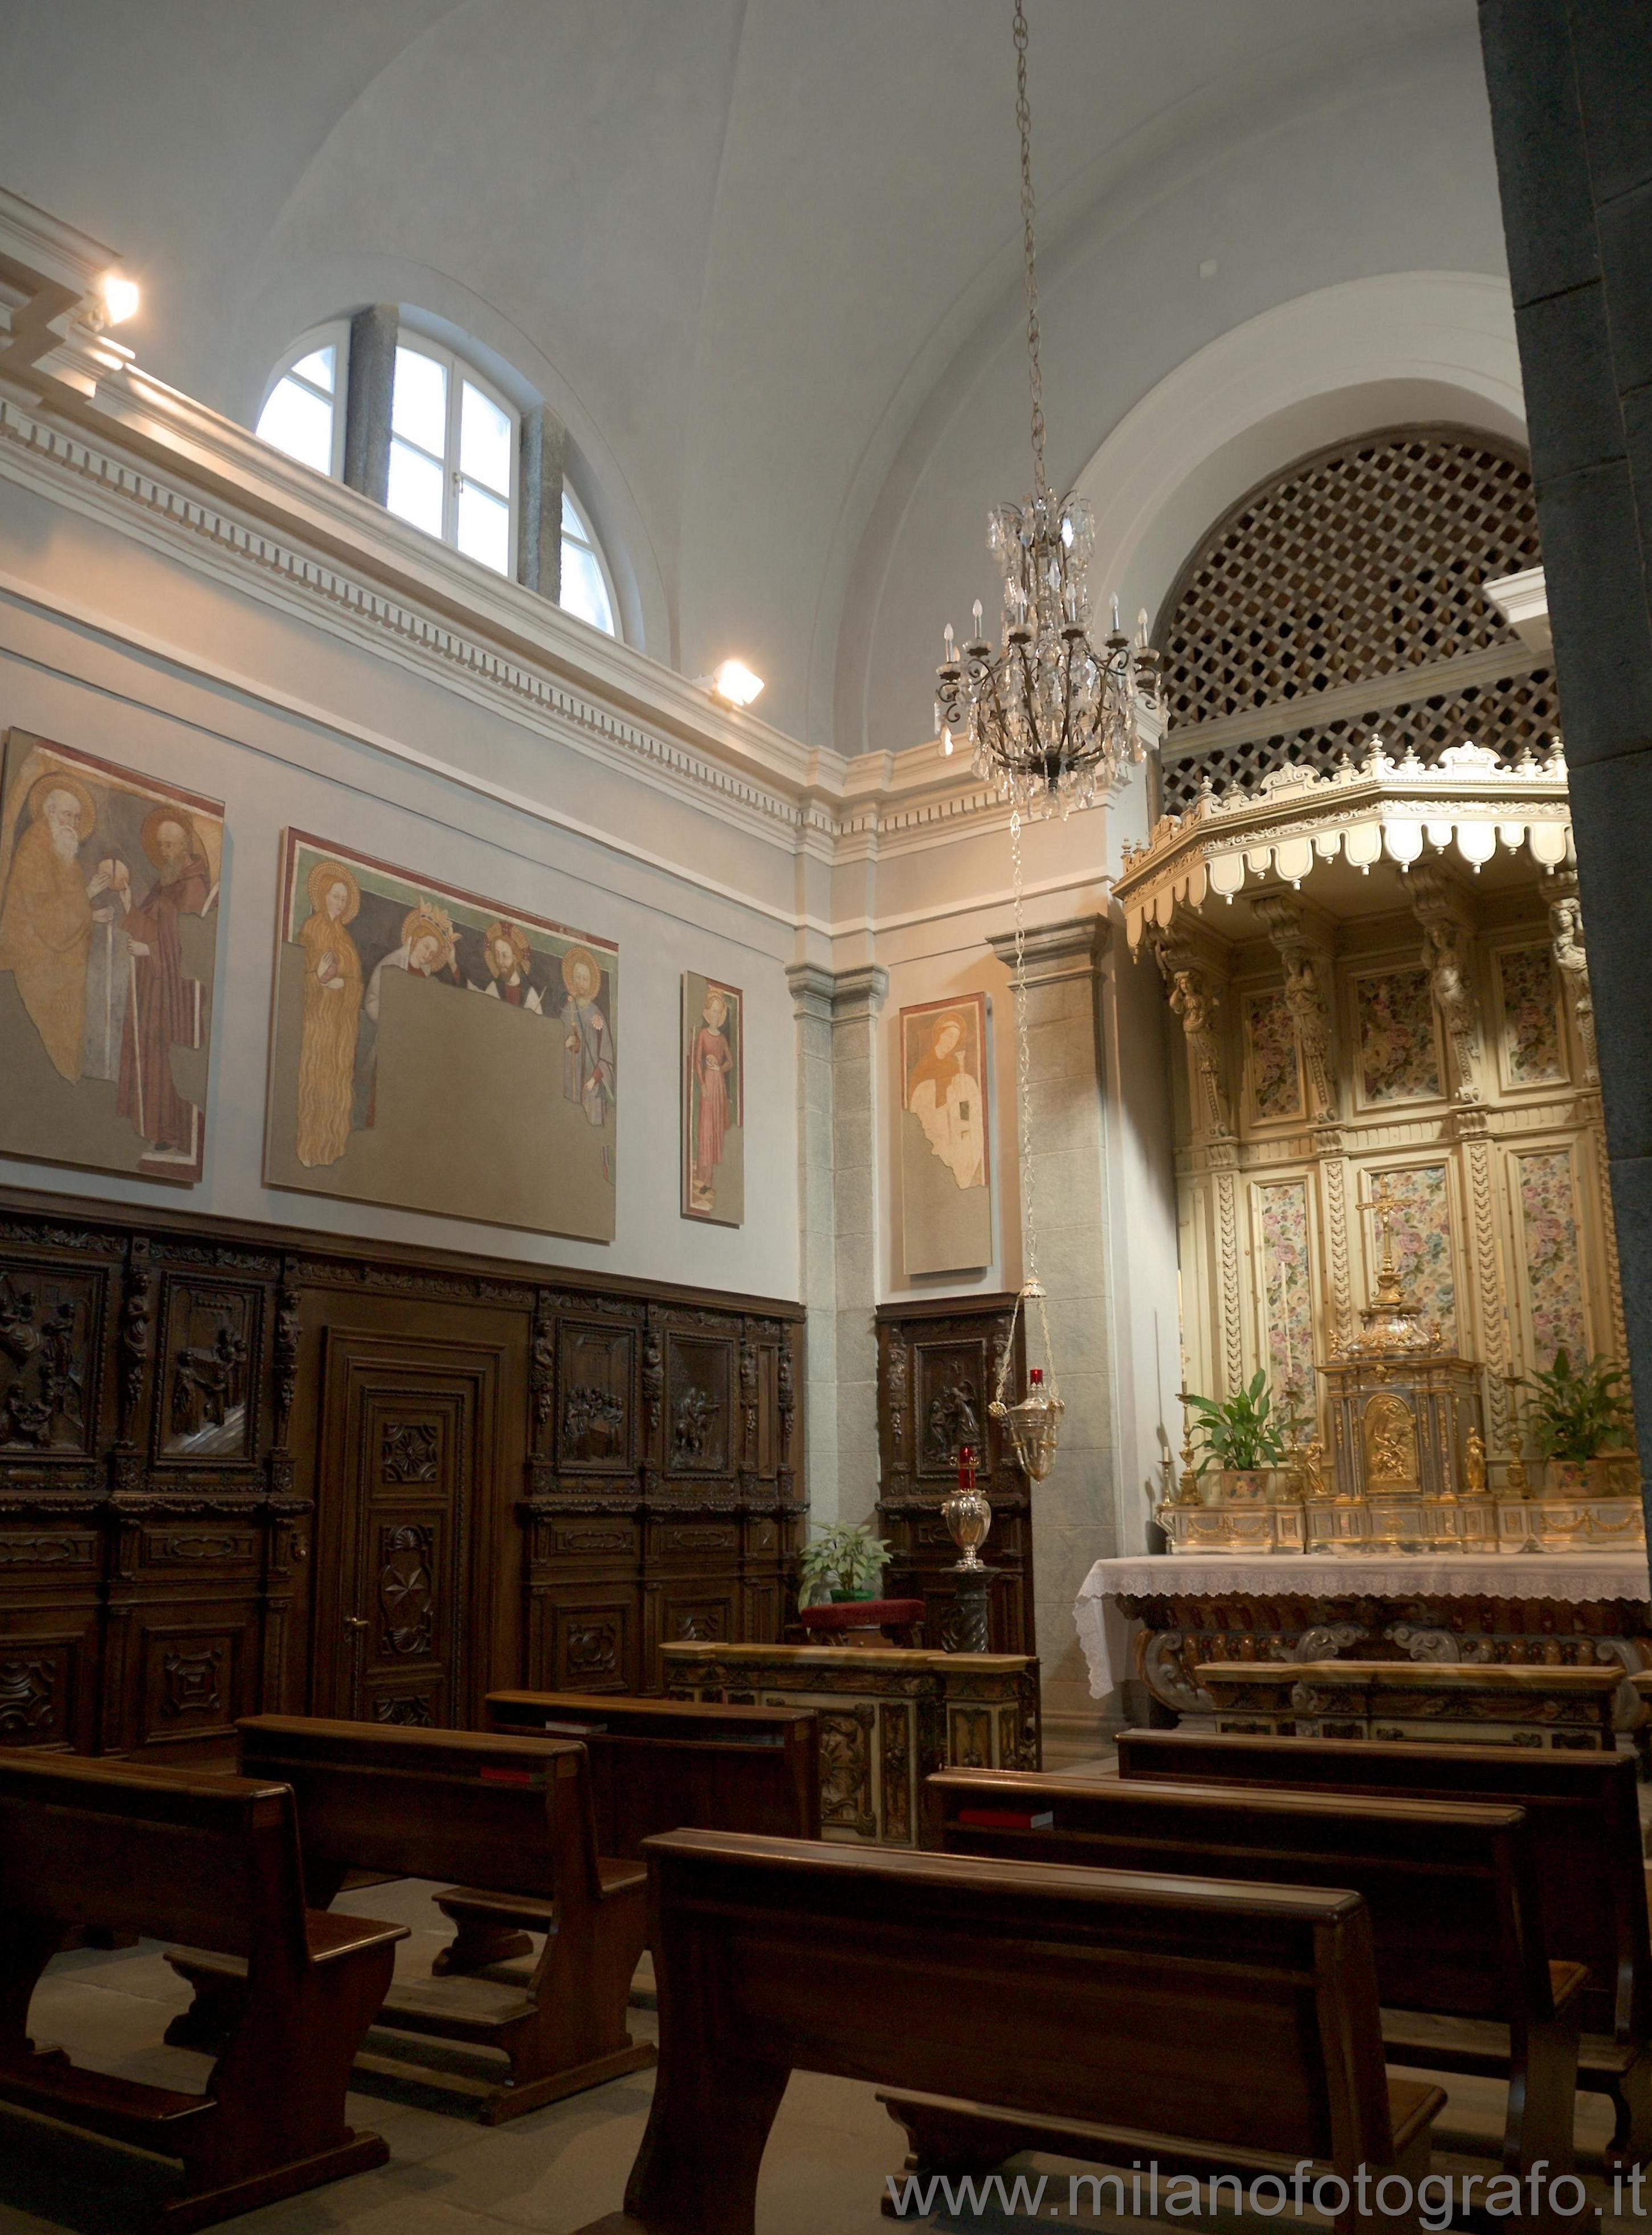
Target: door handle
point(354, 1622)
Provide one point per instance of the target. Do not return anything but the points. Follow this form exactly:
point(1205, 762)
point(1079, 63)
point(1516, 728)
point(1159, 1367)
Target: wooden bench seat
point(513, 1814)
point(1115, 2015)
point(214, 1860)
point(656, 1765)
point(1585, 1831)
point(1451, 1889)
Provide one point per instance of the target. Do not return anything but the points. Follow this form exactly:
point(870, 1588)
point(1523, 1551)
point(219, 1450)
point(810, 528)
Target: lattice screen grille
point(1512, 717)
point(1354, 566)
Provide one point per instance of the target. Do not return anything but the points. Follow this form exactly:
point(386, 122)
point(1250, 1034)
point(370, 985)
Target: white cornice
point(83, 425)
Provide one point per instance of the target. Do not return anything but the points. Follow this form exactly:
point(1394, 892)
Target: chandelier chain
point(1023, 1063)
point(1035, 372)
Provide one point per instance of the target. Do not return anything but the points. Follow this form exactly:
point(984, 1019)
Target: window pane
point(484, 440)
point(571, 520)
point(299, 424)
point(317, 368)
point(484, 527)
point(416, 487)
point(583, 591)
point(419, 406)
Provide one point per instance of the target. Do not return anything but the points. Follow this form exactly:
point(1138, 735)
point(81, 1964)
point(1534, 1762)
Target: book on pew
point(573, 1730)
point(1008, 1820)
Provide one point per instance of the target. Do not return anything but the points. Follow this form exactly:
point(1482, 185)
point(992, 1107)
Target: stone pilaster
point(543, 455)
point(369, 392)
point(837, 1015)
point(1074, 1511)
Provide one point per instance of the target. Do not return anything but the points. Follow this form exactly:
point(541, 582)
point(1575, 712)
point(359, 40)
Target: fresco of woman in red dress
point(713, 1098)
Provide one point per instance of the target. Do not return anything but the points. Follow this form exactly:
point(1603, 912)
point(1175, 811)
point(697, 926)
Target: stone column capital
point(1055, 951)
point(836, 995)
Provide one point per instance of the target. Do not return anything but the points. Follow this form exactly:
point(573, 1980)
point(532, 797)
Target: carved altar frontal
point(887, 1719)
point(1463, 1703)
point(1159, 1620)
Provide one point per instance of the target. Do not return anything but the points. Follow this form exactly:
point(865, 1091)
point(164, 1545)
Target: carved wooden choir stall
point(241, 1470)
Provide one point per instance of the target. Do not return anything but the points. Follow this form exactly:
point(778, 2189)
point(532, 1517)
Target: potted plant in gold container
point(1242, 1443)
point(1578, 1419)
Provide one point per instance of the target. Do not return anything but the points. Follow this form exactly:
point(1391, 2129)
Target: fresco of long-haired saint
point(109, 885)
point(946, 1174)
point(713, 1100)
point(436, 1051)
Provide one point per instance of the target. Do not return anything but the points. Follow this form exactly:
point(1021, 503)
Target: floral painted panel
point(1554, 1271)
point(1281, 1210)
point(1398, 1052)
point(1270, 1057)
point(1532, 1050)
point(1422, 1240)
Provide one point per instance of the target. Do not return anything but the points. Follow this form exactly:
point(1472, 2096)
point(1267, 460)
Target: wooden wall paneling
point(217, 1442)
point(938, 1363)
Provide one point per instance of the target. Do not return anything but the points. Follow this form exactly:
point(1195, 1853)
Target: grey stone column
point(543, 461)
point(1570, 87)
point(837, 1015)
point(369, 393)
point(1074, 1511)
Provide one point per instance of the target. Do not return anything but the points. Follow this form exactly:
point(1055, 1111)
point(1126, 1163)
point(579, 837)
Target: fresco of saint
point(944, 1094)
point(427, 950)
point(509, 960)
point(332, 1003)
point(164, 1009)
point(712, 1064)
point(587, 1045)
point(46, 923)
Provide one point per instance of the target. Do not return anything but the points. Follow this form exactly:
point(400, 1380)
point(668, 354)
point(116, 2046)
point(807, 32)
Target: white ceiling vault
point(761, 255)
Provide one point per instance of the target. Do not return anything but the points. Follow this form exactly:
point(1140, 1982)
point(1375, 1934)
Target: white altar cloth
point(1571, 1576)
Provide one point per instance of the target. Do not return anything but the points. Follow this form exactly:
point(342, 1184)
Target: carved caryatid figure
point(1566, 921)
point(1306, 972)
point(1444, 945)
point(1195, 1002)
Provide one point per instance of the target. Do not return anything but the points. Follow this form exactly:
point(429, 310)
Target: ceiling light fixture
point(734, 681)
point(1048, 714)
point(120, 297)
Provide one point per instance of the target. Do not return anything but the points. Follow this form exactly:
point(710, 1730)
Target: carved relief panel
point(699, 1429)
point(210, 1352)
point(595, 1372)
point(50, 1335)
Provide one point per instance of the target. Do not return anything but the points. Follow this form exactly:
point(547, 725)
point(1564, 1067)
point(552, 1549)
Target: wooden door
point(408, 1468)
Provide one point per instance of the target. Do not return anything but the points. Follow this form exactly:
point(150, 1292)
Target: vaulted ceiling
point(761, 255)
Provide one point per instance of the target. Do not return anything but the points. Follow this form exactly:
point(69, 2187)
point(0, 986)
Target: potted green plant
point(843, 1562)
point(1240, 1440)
point(1579, 1418)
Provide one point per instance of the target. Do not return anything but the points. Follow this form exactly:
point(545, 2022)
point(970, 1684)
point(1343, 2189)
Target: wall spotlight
point(121, 297)
point(734, 681)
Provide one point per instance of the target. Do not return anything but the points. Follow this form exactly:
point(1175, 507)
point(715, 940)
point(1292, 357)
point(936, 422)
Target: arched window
point(303, 411)
point(458, 466)
point(1336, 599)
point(586, 587)
point(452, 454)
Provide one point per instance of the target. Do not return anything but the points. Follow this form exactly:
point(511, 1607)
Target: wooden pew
point(1451, 1889)
point(511, 1812)
point(213, 1859)
point(1586, 1836)
point(656, 1765)
point(1102, 2013)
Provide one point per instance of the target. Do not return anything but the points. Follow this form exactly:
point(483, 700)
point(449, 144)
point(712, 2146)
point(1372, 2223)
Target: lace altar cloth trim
point(1572, 1577)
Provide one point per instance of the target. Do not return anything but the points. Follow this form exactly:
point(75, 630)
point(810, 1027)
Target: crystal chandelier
point(1049, 716)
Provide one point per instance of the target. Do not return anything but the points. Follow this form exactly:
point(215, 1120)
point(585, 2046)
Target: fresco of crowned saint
point(587, 1062)
point(946, 1192)
point(108, 931)
point(713, 1141)
point(332, 1005)
point(417, 1058)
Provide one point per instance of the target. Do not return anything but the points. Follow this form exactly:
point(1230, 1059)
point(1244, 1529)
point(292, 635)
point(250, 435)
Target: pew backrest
point(1241, 2015)
point(511, 1814)
point(175, 1853)
point(657, 1764)
point(1451, 1889)
point(1581, 1811)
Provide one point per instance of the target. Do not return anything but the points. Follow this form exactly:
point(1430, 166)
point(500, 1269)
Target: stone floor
point(552, 2171)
